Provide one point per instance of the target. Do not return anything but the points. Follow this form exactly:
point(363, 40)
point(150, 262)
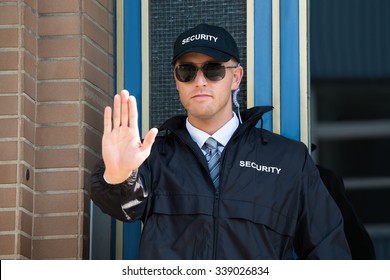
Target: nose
point(200, 79)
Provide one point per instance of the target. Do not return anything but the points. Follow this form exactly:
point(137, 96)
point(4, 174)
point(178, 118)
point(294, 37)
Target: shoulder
point(274, 140)
point(290, 154)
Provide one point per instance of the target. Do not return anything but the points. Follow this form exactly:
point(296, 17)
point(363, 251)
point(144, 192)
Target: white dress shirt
point(222, 135)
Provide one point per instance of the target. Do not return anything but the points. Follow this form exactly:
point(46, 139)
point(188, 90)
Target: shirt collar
point(222, 135)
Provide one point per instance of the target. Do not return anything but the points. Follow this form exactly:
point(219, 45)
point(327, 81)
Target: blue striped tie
point(213, 159)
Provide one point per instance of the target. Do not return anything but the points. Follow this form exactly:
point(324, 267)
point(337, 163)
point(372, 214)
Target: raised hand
point(122, 148)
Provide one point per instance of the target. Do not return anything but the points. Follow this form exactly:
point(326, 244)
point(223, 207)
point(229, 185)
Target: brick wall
point(56, 76)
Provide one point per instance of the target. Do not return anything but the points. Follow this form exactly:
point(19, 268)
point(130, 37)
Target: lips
point(201, 95)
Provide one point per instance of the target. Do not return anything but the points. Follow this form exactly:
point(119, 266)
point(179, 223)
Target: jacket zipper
point(216, 221)
point(216, 204)
point(216, 200)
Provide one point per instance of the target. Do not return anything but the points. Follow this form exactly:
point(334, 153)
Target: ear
point(237, 77)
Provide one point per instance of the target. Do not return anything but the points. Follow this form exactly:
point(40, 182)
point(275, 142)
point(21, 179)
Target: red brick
point(90, 160)
point(8, 61)
point(56, 203)
point(8, 128)
point(55, 249)
point(108, 4)
point(8, 173)
point(9, 150)
point(25, 246)
point(7, 197)
point(62, 225)
point(100, 79)
point(61, 180)
point(98, 14)
point(29, 20)
point(57, 158)
point(29, 64)
point(26, 200)
point(29, 86)
point(58, 6)
point(95, 98)
point(93, 118)
point(7, 219)
point(7, 244)
point(28, 108)
point(9, 83)
point(58, 91)
point(8, 105)
point(62, 47)
point(28, 153)
point(32, 3)
point(9, 15)
point(28, 130)
point(57, 113)
point(9, 38)
point(96, 34)
point(58, 69)
point(57, 135)
point(27, 180)
point(26, 223)
point(92, 140)
point(30, 41)
point(100, 59)
point(59, 25)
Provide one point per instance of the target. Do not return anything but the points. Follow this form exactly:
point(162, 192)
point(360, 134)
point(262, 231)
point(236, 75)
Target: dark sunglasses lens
point(186, 72)
point(214, 71)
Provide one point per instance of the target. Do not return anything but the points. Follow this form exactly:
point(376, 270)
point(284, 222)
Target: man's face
point(207, 100)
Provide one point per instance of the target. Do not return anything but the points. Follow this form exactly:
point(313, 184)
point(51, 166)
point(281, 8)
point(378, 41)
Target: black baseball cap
point(211, 40)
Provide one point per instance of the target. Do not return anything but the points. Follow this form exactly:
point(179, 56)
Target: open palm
point(122, 148)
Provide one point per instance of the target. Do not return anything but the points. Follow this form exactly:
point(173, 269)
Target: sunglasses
point(212, 71)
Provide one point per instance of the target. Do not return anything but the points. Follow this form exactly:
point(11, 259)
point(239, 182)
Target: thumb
point(149, 139)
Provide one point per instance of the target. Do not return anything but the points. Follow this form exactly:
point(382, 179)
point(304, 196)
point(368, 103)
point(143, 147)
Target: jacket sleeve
point(320, 227)
point(359, 241)
point(125, 201)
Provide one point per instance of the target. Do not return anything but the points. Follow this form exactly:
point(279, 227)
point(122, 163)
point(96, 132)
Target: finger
point(149, 139)
point(133, 114)
point(124, 108)
point(107, 120)
point(117, 111)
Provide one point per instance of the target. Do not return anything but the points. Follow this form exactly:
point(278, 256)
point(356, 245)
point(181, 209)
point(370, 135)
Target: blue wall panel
point(132, 82)
point(289, 72)
point(263, 57)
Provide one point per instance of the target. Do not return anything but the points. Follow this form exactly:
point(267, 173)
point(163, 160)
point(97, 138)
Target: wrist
point(115, 178)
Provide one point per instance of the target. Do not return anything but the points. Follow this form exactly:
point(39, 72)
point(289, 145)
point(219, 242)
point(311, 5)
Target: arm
point(116, 184)
point(320, 227)
point(125, 201)
point(357, 236)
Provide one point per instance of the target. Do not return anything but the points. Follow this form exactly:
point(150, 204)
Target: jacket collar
point(250, 117)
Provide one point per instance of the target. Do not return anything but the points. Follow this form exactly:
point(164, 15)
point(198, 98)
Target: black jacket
point(359, 241)
point(271, 204)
